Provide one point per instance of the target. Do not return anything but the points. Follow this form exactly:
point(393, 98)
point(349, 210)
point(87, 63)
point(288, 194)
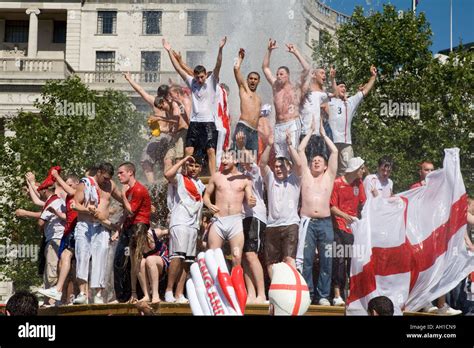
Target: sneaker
point(98, 299)
point(430, 309)
point(169, 297)
point(324, 302)
point(447, 310)
point(182, 299)
point(80, 299)
point(51, 293)
point(338, 301)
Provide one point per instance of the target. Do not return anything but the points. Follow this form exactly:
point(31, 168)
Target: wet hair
point(382, 305)
point(340, 82)
point(284, 68)
point(199, 69)
point(385, 161)
point(92, 170)
point(106, 168)
point(158, 101)
point(163, 91)
point(22, 303)
point(73, 177)
point(284, 160)
point(129, 166)
point(254, 73)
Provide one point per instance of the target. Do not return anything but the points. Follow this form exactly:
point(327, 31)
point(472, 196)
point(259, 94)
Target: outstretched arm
point(184, 75)
point(207, 196)
point(332, 162)
point(295, 157)
point(28, 213)
point(69, 190)
point(139, 89)
point(263, 164)
point(237, 73)
point(332, 74)
point(34, 197)
point(217, 68)
point(266, 62)
point(305, 73)
point(170, 174)
point(182, 64)
point(368, 86)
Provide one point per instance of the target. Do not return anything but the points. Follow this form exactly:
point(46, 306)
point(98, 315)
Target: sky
point(437, 14)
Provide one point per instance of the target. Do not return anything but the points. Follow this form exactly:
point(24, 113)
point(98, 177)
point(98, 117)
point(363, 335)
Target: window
point(323, 38)
point(106, 22)
point(197, 23)
point(194, 58)
point(16, 31)
point(151, 62)
point(59, 32)
point(307, 29)
point(104, 62)
point(151, 24)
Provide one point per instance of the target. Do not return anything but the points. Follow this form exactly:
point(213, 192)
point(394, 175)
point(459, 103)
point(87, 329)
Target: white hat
point(354, 164)
point(288, 294)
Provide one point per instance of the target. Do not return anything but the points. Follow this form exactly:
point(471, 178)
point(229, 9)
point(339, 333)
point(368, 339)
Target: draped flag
point(411, 247)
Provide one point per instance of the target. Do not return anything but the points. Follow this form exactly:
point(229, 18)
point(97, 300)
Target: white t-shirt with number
point(283, 198)
point(204, 99)
point(54, 226)
point(312, 109)
point(340, 117)
point(372, 181)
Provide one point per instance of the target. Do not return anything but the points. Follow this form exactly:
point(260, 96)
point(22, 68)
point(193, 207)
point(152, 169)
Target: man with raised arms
point(231, 187)
point(202, 133)
point(286, 98)
point(341, 112)
point(316, 231)
point(250, 105)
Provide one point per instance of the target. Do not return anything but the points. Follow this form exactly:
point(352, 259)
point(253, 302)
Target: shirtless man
point(250, 105)
point(158, 146)
point(91, 201)
point(286, 98)
point(317, 180)
point(231, 187)
point(202, 134)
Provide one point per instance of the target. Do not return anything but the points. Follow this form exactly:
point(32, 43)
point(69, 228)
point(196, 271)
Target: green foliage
point(112, 132)
point(398, 45)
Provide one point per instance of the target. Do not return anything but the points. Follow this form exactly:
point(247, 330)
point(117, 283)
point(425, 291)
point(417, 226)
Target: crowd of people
point(286, 192)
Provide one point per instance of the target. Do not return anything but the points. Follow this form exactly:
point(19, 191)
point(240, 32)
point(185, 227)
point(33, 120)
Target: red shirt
point(140, 202)
point(347, 198)
point(71, 216)
point(416, 184)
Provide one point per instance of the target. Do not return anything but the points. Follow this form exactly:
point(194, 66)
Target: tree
point(398, 45)
point(74, 128)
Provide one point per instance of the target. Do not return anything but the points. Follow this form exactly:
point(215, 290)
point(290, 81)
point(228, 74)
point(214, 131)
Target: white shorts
point(92, 244)
point(280, 145)
point(228, 227)
point(183, 241)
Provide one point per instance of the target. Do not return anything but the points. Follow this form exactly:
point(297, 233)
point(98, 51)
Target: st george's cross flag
point(411, 247)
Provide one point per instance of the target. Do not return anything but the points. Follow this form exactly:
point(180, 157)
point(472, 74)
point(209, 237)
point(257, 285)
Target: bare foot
point(144, 299)
point(251, 300)
point(260, 300)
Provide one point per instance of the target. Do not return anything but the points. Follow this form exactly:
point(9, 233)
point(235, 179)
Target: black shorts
point(201, 136)
point(253, 233)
